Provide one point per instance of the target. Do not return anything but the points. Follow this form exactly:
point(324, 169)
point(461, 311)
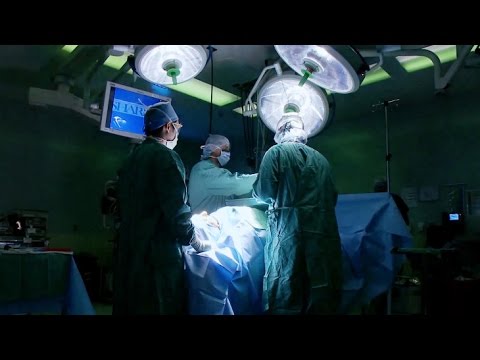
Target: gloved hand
point(200, 245)
point(210, 220)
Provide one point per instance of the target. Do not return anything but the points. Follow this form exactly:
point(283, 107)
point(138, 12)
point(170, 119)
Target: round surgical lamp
point(169, 64)
point(283, 94)
point(338, 68)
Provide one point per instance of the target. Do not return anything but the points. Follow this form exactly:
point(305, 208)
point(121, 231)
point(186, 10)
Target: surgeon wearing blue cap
point(210, 183)
point(154, 222)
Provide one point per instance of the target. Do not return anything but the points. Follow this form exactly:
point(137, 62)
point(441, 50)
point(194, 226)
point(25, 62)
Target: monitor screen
point(454, 217)
point(123, 109)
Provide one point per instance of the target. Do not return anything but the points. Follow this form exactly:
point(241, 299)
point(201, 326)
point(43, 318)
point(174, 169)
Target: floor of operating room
point(405, 304)
point(102, 309)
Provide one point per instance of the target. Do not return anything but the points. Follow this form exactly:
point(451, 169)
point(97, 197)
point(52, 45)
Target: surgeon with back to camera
point(303, 259)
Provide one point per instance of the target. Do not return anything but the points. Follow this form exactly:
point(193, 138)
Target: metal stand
point(388, 156)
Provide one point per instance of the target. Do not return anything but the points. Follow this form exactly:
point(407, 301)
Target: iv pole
point(388, 156)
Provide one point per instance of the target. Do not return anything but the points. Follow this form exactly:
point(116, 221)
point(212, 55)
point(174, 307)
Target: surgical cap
point(213, 142)
point(290, 129)
point(218, 140)
point(159, 115)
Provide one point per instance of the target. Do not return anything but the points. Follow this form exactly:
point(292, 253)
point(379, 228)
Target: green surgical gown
point(303, 261)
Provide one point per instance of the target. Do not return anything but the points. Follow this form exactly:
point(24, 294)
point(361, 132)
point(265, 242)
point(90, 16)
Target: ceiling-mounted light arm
point(119, 50)
point(441, 82)
point(379, 64)
point(88, 79)
point(452, 70)
point(75, 54)
point(249, 107)
point(473, 60)
point(131, 64)
point(97, 95)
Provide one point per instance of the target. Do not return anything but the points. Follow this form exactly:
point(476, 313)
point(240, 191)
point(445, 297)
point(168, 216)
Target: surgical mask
point(172, 143)
point(169, 143)
point(224, 158)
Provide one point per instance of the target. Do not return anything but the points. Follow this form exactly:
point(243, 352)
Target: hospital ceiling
point(86, 68)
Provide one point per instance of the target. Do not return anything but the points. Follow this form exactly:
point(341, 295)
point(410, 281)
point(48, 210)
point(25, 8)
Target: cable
point(210, 57)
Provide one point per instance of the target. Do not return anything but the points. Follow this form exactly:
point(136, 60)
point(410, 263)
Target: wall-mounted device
point(454, 221)
point(123, 109)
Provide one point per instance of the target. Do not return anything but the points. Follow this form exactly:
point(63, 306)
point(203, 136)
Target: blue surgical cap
point(218, 140)
point(213, 142)
point(159, 115)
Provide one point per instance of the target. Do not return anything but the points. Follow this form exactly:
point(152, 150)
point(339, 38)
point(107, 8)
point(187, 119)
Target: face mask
point(224, 158)
point(172, 143)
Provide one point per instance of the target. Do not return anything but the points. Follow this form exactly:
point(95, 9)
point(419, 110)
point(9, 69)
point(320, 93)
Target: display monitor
point(123, 109)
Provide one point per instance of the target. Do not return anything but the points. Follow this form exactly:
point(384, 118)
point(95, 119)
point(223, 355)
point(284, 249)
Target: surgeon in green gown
point(303, 261)
point(154, 222)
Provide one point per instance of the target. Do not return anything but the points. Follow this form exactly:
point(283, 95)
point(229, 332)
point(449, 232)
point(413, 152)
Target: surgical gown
point(303, 260)
point(210, 186)
point(155, 221)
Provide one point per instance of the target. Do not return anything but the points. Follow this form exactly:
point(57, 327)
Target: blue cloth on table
point(75, 301)
point(227, 280)
point(370, 225)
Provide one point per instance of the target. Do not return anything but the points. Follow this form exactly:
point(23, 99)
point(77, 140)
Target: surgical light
point(169, 64)
point(283, 94)
point(339, 68)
